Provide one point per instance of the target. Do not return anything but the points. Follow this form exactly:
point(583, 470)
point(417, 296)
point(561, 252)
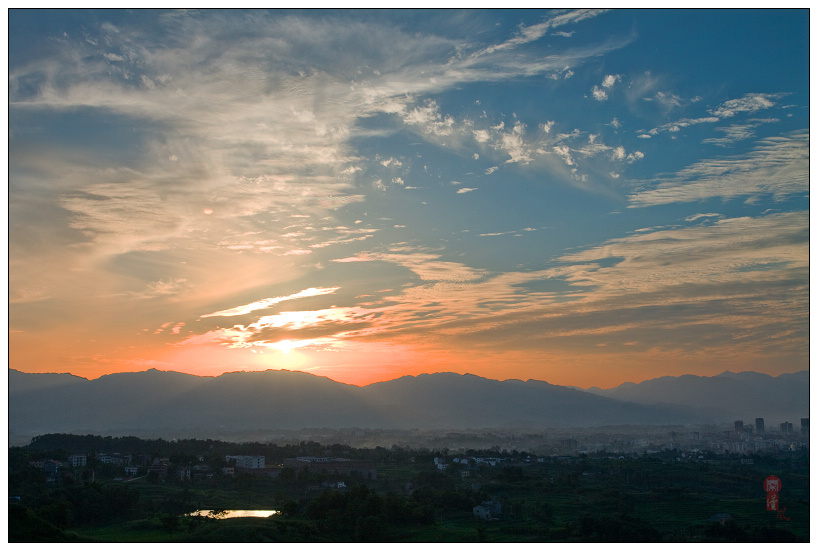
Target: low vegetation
point(418, 495)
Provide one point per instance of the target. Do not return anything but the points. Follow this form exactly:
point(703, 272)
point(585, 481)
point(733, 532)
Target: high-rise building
point(805, 426)
point(739, 425)
point(759, 425)
point(786, 427)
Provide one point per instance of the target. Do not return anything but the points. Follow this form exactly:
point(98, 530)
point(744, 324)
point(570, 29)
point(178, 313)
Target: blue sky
point(583, 197)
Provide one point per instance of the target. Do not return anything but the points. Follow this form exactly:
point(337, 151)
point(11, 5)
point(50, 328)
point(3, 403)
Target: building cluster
point(338, 465)
point(246, 461)
point(783, 428)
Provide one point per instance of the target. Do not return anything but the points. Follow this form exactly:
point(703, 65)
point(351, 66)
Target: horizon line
point(400, 377)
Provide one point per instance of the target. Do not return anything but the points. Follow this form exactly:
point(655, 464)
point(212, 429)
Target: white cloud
point(564, 152)
point(391, 162)
point(466, 189)
point(267, 302)
point(695, 217)
point(738, 132)
point(729, 250)
point(599, 94)
point(778, 167)
point(668, 100)
point(534, 32)
point(429, 119)
point(675, 126)
point(610, 80)
point(635, 156)
point(482, 136)
point(426, 266)
point(750, 103)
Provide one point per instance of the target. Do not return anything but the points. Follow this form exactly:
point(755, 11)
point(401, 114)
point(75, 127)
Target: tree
point(170, 523)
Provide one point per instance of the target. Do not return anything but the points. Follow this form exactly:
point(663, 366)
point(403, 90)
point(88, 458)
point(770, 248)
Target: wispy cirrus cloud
point(738, 132)
point(778, 167)
point(267, 302)
point(303, 119)
point(426, 266)
point(530, 33)
point(749, 103)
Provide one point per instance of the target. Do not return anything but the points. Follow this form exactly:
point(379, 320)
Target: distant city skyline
point(584, 197)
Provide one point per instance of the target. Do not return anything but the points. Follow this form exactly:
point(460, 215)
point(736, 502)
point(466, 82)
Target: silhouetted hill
point(22, 382)
point(744, 395)
point(444, 400)
point(169, 404)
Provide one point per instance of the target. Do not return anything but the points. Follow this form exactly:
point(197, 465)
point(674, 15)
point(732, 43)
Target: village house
point(488, 510)
point(332, 465)
point(77, 460)
point(247, 461)
point(114, 459)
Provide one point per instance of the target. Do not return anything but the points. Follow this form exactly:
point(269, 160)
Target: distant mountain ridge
point(745, 395)
point(172, 404)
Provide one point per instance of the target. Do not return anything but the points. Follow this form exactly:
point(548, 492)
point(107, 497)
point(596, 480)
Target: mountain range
point(175, 405)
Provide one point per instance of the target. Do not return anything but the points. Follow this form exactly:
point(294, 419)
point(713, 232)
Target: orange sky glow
point(566, 196)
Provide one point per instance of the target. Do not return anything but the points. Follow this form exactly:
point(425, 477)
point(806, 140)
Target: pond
point(233, 513)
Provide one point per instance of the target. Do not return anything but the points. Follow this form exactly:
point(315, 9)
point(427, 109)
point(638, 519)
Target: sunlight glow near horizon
point(581, 197)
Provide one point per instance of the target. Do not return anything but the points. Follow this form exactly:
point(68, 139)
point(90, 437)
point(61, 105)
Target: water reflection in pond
point(233, 513)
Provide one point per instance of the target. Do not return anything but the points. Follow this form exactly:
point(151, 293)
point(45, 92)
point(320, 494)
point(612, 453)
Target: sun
point(286, 346)
point(285, 354)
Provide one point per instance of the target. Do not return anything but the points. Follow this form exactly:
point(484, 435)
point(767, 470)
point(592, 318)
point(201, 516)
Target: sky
point(580, 197)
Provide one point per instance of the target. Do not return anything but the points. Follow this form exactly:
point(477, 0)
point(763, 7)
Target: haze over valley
point(234, 405)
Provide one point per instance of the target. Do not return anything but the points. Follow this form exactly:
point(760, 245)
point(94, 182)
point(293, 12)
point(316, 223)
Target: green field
point(586, 498)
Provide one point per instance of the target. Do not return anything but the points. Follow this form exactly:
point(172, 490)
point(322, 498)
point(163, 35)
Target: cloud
point(391, 162)
point(730, 249)
point(429, 119)
point(267, 302)
point(162, 327)
point(723, 284)
point(610, 80)
point(737, 132)
point(750, 103)
point(599, 94)
point(668, 100)
point(162, 288)
point(564, 152)
point(299, 328)
point(694, 217)
point(514, 145)
point(466, 189)
point(426, 266)
point(675, 126)
point(696, 286)
point(778, 167)
point(530, 33)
